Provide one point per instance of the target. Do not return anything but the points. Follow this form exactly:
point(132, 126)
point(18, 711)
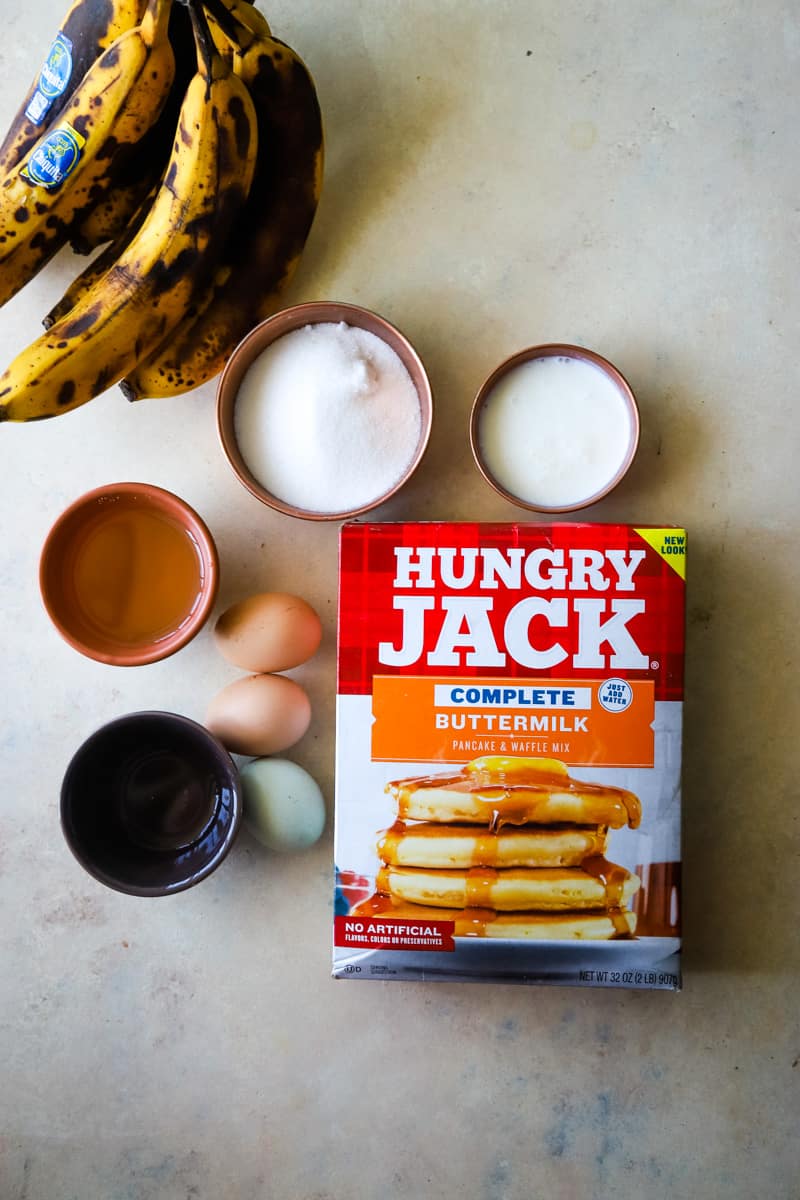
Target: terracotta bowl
point(151, 804)
point(555, 349)
point(267, 333)
point(57, 568)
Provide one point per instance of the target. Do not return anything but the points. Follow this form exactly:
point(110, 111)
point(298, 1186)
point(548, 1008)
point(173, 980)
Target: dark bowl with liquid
point(151, 803)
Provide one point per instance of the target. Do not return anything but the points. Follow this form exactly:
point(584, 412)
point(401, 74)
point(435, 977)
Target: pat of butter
point(505, 766)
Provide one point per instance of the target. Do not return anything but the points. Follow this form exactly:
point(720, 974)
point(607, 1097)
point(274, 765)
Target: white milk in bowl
point(557, 431)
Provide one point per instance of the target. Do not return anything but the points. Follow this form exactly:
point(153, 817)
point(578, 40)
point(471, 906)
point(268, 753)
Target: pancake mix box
point(508, 756)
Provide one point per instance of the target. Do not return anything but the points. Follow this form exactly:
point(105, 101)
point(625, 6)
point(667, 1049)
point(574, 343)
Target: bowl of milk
point(554, 428)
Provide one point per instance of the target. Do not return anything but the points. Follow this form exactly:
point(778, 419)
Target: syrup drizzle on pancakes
point(506, 798)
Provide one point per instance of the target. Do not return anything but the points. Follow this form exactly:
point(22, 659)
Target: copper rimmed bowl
point(264, 335)
point(619, 467)
point(59, 567)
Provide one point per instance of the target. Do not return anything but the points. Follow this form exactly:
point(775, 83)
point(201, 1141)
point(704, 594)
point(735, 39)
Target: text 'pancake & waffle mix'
point(508, 753)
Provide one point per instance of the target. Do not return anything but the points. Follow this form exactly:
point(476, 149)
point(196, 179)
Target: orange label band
point(607, 722)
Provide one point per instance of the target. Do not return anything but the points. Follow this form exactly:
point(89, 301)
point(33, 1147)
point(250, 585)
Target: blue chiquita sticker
point(53, 79)
point(54, 157)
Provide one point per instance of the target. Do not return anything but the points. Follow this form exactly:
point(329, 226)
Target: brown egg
point(272, 631)
point(260, 714)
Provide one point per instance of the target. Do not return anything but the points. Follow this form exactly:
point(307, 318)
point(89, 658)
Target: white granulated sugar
point(327, 418)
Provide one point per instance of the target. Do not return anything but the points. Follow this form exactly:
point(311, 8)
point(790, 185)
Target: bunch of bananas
point(186, 141)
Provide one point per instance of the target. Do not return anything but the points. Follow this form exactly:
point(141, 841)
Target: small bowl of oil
point(128, 574)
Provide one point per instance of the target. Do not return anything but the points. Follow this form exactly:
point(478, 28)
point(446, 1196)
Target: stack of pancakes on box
point(509, 847)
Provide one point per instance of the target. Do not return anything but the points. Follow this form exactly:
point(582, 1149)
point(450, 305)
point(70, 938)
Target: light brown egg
point(260, 714)
point(273, 631)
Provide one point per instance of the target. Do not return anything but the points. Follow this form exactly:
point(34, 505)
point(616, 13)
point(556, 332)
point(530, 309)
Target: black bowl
point(151, 803)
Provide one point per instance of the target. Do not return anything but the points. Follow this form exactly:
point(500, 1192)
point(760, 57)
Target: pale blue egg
point(283, 805)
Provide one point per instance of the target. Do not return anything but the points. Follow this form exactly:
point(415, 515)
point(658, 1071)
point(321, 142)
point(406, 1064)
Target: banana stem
point(155, 20)
point(240, 35)
point(206, 52)
point(222, 16)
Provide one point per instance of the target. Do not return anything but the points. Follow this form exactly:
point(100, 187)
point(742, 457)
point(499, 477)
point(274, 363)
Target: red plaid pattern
point(367, 570)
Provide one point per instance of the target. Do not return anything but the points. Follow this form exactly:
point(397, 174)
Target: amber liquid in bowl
point(132, 574)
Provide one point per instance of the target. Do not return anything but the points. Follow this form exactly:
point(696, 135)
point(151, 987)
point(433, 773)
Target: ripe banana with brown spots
point(82, 284)
point(110, 218)
point(133, 307)
point(265, 246)
point(141, 170)
point(107, 221)
point(88, 29)
point(71, 167)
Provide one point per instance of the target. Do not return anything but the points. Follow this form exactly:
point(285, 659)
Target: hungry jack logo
point(458, 625)
point(468, 600)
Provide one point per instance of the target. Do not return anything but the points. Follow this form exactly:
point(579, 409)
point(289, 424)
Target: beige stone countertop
point(622, 175)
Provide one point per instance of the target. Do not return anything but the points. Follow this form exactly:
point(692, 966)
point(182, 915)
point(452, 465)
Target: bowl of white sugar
point(554, 428)
point(324, 411)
